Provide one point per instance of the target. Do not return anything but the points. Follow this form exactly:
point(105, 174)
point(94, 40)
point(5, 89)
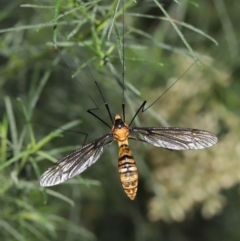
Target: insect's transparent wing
point(177, 138)
point(74, 163)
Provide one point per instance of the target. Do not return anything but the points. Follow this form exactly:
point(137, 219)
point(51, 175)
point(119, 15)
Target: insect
point(173, 138)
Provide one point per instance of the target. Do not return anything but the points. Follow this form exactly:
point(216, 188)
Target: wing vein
point(74, 163)
point(176, 138)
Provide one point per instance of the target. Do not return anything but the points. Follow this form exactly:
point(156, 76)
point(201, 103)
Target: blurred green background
point(185, 195)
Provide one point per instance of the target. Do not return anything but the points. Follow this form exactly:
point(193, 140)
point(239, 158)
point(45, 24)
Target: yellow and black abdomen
point(128, 171)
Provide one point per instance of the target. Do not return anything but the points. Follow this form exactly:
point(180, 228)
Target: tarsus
point(141, 108)
point(96, 83)
point(123, 62)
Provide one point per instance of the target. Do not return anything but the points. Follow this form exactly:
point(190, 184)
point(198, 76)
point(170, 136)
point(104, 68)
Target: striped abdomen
point(128, 171)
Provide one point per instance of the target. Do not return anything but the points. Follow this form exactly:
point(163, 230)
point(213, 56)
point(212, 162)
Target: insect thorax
point(120, 129)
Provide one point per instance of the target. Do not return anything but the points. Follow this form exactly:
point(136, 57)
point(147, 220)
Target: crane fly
point(173, 138)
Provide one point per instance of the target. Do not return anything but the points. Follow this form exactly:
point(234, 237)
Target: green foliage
point(51, 55)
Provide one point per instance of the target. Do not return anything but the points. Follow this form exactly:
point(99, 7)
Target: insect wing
point(74, 163)
point(176, 138)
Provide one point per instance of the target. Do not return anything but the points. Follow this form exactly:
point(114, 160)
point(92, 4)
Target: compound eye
point(118, 124)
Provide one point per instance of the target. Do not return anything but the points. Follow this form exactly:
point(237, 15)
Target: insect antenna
point(141, 108)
